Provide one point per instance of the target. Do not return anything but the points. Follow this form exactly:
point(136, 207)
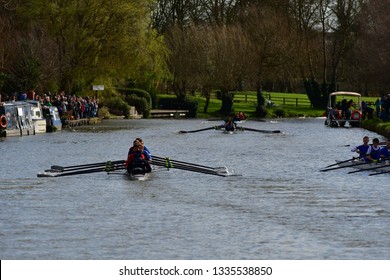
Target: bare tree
point(369, 66)
point(268, 31)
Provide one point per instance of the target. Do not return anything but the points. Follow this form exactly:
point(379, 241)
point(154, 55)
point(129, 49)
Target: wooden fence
point(271, 99)
point(290, 101)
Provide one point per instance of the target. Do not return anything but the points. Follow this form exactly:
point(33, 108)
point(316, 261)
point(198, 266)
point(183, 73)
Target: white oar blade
point(48, 174)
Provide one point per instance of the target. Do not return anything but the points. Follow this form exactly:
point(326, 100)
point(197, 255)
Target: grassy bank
point(278, 105)
point(378, 126)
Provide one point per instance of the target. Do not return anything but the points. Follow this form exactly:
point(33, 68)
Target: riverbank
point(380, 127)
point(280, 108)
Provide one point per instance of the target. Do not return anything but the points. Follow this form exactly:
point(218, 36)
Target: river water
point(281, 207)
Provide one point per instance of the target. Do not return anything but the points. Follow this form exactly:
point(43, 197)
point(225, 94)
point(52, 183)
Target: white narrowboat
point(37, 116)
point(18, 119)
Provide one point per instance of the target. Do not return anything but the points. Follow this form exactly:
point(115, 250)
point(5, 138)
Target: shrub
point(104, 113)
point(140, 104)
point(279, 112)
point(118, 106)
point(133, 97)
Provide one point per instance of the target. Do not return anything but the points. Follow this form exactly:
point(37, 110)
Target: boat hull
point(40, 125)
point(137, 177)
point(381, 166)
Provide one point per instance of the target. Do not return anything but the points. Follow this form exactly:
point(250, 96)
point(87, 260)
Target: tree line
point(316, 46)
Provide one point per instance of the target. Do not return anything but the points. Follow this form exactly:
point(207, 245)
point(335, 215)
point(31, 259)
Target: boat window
point(10, 114)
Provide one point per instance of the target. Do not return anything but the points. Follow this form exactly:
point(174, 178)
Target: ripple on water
point(281, 207)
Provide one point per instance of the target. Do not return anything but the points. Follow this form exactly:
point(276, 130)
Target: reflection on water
point(281, 207)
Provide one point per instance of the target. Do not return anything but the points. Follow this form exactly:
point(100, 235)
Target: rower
point(362, 149)
point(373, 151)
point(230, 125)
point(136, 162)
point(142, 147)
point(384, 153)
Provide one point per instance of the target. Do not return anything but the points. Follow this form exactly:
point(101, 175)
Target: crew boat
point(366, 166)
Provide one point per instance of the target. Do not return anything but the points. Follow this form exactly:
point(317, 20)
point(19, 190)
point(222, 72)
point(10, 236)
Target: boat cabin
point(53, 119)
point(37, 116)
point(18, 119)
point(344, 107)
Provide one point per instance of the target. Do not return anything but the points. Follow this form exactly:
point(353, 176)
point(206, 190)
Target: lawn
point(279, 104)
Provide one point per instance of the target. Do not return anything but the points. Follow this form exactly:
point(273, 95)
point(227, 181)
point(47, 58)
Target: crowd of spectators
point(382, 107)
point(69, 106)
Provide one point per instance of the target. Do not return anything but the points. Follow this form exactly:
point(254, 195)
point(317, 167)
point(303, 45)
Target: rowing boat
point(362, 165)
point(228, 131)
point(118, 167)
point(138, 177)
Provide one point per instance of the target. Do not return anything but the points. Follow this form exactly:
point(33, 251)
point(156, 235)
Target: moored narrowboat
point(18, 119)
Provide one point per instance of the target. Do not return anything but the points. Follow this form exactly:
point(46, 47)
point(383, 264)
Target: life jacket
point(136, 164)
point(145, 152)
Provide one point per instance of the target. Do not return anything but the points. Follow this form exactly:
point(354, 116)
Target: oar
point(168, 160)
point(82, 166)
point(198, 130)
point(378, 173)
point(107, 164)
point(193, 169)
point(258, 130)
point(79, 172)
point(370, 168)
point(345, 166)
point(337, 163)
point(168, 163)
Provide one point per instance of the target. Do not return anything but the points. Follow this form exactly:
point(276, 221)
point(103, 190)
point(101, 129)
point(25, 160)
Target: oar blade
point(202, 129)
point(170, 163)
point(88, 165)
point(110, 166)
point(46, 174)
point(259, 130)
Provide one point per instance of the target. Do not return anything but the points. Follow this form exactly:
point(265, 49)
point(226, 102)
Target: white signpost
point(97, 88)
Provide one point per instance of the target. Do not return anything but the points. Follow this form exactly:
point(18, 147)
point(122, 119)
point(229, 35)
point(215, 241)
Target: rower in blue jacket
point(362, 149)
point(145, 151)
point(373, 151)
point(384, 153)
